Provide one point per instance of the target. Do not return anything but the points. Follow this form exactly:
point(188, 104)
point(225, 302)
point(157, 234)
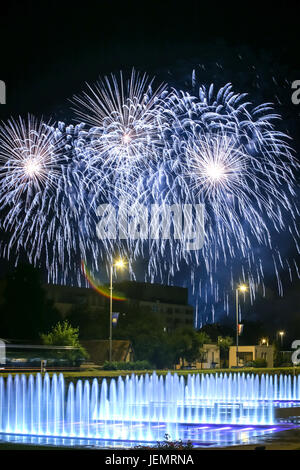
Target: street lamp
point(264, 341)
point(119, 264)
point(242, 288)
point(281, 334)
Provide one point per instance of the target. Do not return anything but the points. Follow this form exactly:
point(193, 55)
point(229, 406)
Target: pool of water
point(198, 435)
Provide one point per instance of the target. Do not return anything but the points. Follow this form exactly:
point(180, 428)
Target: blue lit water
point(208, 409)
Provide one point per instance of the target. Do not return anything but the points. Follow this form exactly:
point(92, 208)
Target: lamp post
point(119, 265)
point(281, 334)
point(241, 288)
point(264, 341)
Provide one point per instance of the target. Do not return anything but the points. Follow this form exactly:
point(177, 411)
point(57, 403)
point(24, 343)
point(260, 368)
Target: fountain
point(141, 408)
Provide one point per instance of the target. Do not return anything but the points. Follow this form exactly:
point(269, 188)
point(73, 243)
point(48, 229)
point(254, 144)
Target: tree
point(145, 330)
point(214, 330)
point(224, 343)
point(63, 334)
point(188, 343)
point(25, 311)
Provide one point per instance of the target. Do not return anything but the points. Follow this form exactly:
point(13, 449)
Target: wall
point(257, 352)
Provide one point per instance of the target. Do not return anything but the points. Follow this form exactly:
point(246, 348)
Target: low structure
point(209, 358)
point(247, 354)
point(2, 351)
point(98, 350)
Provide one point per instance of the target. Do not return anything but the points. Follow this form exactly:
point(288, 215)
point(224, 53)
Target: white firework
point(215, 164)
point(29, 157)
point(125, 118)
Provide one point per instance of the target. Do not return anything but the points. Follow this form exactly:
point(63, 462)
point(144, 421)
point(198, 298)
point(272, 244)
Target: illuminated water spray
point(139, 408)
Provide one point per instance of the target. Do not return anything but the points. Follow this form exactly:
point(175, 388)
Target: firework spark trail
point(248, 189)
point(145, 147)
point(247, 195)
point(44, 209)
point(126, 119)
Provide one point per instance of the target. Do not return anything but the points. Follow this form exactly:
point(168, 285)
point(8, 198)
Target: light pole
point(264, 341)
point(281, 334)
point(119, 265)
point(241, 288)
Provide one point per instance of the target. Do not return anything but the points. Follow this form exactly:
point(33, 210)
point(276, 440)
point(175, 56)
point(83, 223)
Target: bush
point(168, 444)
point(110, 365)
point(137, 365)
point(259, 363)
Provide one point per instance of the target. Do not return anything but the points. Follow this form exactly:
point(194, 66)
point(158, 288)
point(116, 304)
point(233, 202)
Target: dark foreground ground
point(284, 440)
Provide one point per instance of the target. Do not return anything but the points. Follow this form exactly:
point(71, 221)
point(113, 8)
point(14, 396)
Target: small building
point(2, 351)
point(209, 358)
point(247, 354)
point(98, 350)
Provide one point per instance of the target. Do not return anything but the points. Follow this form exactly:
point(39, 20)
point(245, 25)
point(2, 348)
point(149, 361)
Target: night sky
point(49, 50)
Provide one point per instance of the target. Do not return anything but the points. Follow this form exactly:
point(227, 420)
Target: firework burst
point(144, 147)
point(230, 156)
point(215, 164)
point(29, 157)
point(125, 119)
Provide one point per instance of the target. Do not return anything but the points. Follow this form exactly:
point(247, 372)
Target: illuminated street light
point(241, 288)
point(281, 334)
point(119, 264)
point(264, 341)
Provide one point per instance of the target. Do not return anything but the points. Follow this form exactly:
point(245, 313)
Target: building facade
point(247, 354)
point(67, 297)
point(170, 302)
